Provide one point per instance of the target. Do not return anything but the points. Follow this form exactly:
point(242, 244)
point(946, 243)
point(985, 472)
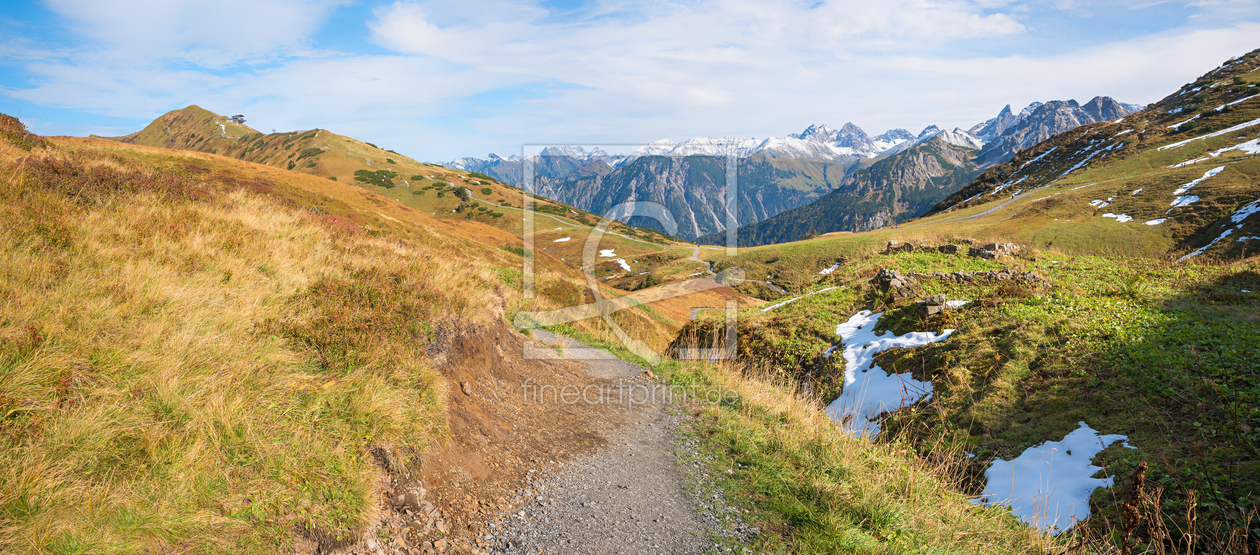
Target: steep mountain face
point(693, 188)
point(1183, 170)
point(893, 189)
point(1008, 134)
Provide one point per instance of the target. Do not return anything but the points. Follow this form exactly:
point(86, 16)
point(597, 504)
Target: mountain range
point(868, 181)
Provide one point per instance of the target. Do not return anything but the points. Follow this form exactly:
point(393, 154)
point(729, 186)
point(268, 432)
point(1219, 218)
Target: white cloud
point(206, 33)
point(465, 78)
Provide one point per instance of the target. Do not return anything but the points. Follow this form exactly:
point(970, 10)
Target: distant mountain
point(893, 189)
point(947, 161)
point(552, 162)
point(1008, 133)
point(693, 188)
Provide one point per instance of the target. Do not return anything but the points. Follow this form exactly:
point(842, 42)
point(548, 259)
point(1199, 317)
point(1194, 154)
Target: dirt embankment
point(504, 421)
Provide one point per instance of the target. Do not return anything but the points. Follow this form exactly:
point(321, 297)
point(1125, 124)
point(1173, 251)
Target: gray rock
point(935, 300)
point(927, 310)
point(948, 249)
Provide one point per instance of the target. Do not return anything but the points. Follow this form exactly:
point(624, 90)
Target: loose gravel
point(647, 491)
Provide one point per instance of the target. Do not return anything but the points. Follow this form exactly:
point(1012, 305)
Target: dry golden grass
point(156, 391)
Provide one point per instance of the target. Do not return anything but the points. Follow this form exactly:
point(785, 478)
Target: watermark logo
point(536, 163)
point(627, 394)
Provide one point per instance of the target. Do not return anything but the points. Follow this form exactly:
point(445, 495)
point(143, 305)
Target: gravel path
point(629, 497)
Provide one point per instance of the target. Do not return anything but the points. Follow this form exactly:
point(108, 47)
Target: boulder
point(948, 249)
point(985, 254)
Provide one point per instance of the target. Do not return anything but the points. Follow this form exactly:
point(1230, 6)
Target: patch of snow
point(1185, 188)
point(562, 239)
point(1244, 212)
point(1176, 125)
point(1184, 201)
point(1119, 217)
point(1210, 135)
point(1139, 189)
point(624, 266)
point(955, 304)
point(1122, 132)
point(794, 299)
point(1239, 100)
point(1250, 147)
point(1049, 485)
point(1098, 203)
point(1200, 250)
point(608, 253)
point(826, 271)
point(1043, 155)
point(1157, 222)
point(869, 391)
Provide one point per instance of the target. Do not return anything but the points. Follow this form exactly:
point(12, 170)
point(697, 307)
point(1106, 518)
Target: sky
point(442, 80)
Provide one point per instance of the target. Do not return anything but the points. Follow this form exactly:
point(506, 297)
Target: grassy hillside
point(1135, 165)
point(353, 163)
point(1126, 333)
point(1155, 350)
point(205, 355)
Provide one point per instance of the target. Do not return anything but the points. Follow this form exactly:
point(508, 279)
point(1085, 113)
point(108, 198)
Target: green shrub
point(292, 164)
point(418, 193)
point(332, 177)
point(441, 194)
point(310, 164)
point(309, 152)
point(461, 193)
point(417, 178)
point(487, 191)
point(380, 178)
point(390, 160)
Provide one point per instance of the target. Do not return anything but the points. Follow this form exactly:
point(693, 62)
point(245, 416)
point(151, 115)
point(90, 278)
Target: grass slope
point(201, 354)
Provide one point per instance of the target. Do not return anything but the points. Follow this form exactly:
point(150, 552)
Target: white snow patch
point(624, 266)
point(955, 304)
point(1184, 188)
point(1210, 135)
point(869, 391)
point(1157, 222)
point(1184, 201)
point(1242, 213)
point(1043, 155)
point(1119, 217)
point(562, 239)
point(1250, 147)
point(1048, 485)
point(1239, 100)
point(794, 299)
point(826, 271)
point(1200, 250)
point(1138, 190)
point(1176, 125)
point(608, 253)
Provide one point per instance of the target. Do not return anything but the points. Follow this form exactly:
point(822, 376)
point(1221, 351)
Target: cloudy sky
point(440, 80)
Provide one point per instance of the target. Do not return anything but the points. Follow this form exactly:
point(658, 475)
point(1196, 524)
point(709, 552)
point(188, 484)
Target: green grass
point(810, 488)
point(1157, 351)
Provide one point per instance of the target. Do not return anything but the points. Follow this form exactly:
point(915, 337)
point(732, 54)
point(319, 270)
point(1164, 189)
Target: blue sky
point(441, 80)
